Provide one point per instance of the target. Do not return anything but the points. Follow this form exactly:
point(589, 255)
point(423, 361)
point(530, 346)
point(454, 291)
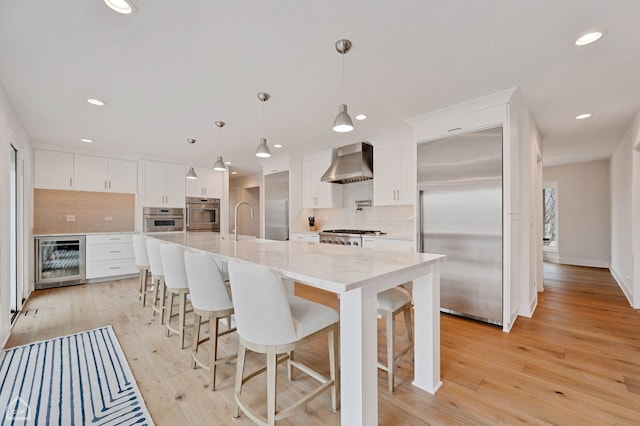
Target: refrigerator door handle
point(286, 220)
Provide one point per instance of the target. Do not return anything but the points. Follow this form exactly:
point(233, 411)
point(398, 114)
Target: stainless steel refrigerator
point(460, 187)
point(276, 206)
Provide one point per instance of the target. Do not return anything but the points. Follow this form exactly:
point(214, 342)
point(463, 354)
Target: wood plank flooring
point(577, 361)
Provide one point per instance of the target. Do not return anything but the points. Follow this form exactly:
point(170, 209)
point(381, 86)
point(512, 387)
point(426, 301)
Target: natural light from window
point(550, 229)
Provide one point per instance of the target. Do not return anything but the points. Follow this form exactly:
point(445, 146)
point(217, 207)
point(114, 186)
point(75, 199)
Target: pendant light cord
point(342, 77)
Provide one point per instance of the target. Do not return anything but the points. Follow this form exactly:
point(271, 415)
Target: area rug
point(81, 379)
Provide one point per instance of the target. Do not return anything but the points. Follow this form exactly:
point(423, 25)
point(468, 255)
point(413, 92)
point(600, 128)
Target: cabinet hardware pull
point(115, 239)
point(105, 184)
point(453, 130)
point(109, 184)
point(115, 267)
point(114, 251)
point(70, 182)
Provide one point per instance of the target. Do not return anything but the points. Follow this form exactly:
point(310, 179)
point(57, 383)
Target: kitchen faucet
point(235, 217)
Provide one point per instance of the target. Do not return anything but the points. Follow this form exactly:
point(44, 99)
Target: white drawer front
point(109, 239)
point(101, 269)
point(109, 252)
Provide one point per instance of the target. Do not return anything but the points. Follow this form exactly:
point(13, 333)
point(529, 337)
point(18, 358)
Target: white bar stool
point(175, 280)
point(391, 303)
point(272, 323)
point(210, 299)
point(157, 275)
point(142, 261)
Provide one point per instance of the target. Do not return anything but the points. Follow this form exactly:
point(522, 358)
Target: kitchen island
point(356, 275)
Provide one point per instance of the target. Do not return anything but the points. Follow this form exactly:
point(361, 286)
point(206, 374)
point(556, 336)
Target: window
point(550, 215)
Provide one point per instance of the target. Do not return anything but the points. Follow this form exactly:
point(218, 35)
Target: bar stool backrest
point(206, 286)
point(261, 305)
point(140, 251)
point(172, 257)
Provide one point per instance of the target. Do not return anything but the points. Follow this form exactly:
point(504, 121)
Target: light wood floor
point(577, 361)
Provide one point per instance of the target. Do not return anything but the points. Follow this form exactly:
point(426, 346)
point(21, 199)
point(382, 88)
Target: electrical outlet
point(109, 218)
point(71, 218)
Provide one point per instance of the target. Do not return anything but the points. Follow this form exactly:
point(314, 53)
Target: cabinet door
point(408, 179)
point(154, 184)
point(175, 185)
point(53, 170)
point(310, 180)
point(395, 182)
point(213, 183)
point(386, 165)
point(123, 176)
point(329, 194)
point(90, 173)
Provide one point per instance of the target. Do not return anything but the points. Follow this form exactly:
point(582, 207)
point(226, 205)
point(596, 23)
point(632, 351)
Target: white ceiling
point(175, 67)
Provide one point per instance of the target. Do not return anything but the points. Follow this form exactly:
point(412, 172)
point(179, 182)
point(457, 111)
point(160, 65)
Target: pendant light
point(219, 164)
point(191, 174)
point(343, 122)
point(263, 150)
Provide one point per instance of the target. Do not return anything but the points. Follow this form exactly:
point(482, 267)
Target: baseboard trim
point(584, 262)
point(551, 257)
point(625, 290)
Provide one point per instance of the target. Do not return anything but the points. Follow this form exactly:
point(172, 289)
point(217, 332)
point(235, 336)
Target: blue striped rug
point(81, 379)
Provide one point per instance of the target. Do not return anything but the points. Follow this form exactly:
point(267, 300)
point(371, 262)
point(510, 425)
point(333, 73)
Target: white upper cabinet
point(104, 174)
point(394, 173)
point(208, 184)
point(317, 194)
point(53, 170)
point(163, 184)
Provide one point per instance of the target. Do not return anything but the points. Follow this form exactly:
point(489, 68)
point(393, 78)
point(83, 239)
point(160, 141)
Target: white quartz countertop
point(334, 268)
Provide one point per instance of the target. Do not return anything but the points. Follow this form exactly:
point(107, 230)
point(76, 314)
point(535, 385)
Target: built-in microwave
point(161, 219)
point(203, 214)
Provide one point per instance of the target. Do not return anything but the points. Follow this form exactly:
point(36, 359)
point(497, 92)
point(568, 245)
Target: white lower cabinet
point(110, 255)
point(388, 244)
point(307, 237)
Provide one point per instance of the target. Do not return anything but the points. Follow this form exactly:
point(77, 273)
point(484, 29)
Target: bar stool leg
point(390, 352)
point(196, 339)
point(271, 385)
point(181, 317)
point(242, 354)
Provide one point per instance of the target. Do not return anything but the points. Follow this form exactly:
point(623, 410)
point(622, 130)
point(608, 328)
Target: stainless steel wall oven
point(203, 214)
point(160, 219)
point(60, 261)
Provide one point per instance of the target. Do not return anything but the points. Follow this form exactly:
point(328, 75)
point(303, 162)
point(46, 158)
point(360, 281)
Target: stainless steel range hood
point(353, 163)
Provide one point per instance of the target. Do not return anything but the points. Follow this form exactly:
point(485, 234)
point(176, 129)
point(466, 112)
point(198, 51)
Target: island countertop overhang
point(337, 269)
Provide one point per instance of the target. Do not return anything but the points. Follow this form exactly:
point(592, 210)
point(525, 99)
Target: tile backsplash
point(396, 221)
point(67, 212)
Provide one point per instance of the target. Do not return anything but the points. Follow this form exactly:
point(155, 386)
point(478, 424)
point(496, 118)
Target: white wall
point(12, 132)
point(246, 189)
point(584, 212)
point(625, 194)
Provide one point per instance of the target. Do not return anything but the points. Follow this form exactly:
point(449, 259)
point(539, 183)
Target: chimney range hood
point(353, 163)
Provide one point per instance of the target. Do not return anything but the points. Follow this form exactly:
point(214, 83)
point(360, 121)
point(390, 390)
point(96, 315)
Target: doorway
point(13, 233)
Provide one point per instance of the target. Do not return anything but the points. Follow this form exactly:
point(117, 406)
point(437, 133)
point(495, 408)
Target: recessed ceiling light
point(583, 116)
point(361, 117)
point(234, 173)
point(191, 141)
point(96, 102)
point(86, 140)
point(589, 38)
point(277, 145)
point(126, 7)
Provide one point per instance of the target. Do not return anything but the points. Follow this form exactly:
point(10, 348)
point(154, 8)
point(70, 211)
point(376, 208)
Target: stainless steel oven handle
point(163, 217)
point(202, 208)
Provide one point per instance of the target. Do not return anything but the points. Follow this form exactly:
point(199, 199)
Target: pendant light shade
point(219, 165)
point(191, 174)
point(343, 122)
point(263, 150)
